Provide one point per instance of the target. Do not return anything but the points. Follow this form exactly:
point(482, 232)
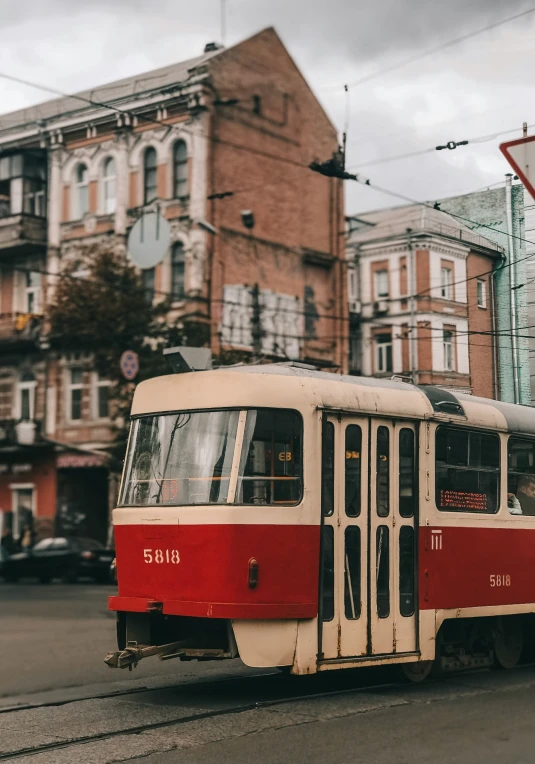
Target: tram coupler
point(133, 653)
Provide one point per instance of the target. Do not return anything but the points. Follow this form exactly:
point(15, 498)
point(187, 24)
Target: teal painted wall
point(486, 210)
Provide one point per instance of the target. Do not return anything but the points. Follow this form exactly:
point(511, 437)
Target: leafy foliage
point(101, 307)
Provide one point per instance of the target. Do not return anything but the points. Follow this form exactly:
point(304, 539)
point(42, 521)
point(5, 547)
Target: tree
point(106, 311)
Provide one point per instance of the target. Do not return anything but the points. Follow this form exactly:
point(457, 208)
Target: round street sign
point(129, 364)
point(148, 240)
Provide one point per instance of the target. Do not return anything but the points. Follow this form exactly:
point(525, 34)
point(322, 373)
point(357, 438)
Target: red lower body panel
point(203, 570)
point(476, 567)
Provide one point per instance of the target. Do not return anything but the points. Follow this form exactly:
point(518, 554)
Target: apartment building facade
point(220, 147)
point(420, 299)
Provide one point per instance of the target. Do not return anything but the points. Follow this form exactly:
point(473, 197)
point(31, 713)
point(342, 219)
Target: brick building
point(487, 212)
point(395, 254)
point(203, 141)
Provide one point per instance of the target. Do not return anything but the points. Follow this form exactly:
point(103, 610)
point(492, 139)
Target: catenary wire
point(430, 51)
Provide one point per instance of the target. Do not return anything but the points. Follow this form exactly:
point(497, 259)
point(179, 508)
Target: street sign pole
point(521, 156)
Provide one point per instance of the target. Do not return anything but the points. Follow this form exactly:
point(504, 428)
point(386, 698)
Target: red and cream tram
point(302, 519)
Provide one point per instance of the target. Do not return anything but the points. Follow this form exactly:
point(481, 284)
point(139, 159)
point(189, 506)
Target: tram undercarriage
point(461, 644)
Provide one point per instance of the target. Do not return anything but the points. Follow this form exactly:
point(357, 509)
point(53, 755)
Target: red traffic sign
point(129, 365)
point(521, 156)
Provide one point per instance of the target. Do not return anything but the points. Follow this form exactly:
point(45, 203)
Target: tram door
point(369, 504)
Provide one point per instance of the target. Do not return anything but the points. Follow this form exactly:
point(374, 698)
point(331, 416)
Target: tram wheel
point(416, 672)
point(508, 643)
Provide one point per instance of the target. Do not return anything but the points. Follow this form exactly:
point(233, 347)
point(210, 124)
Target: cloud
point(480, 86)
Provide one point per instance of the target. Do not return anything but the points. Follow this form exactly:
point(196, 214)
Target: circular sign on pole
point(129, 364)
point(148, 240)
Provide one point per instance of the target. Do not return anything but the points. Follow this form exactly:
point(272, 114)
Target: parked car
point(65, 558)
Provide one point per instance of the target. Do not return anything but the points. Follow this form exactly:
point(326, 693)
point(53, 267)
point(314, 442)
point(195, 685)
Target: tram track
point(239, 708)
point(186, 719)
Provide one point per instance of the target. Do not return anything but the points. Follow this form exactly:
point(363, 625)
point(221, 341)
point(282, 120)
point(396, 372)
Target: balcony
point(22, 234)
point(15, 432)
point(19, 330)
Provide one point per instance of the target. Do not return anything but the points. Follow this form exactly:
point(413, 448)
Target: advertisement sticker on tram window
point(464, 500)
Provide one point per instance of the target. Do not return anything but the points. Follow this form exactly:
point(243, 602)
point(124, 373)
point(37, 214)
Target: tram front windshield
point(188, 457)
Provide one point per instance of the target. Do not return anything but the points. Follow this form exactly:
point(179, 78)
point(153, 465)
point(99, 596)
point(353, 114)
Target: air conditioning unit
point(354, 306)
point(380, 307)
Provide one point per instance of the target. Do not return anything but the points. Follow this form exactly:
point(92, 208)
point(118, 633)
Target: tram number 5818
point(161, 555)
point(500, 579)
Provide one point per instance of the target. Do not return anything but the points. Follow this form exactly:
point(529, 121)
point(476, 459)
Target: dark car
point(65, 558)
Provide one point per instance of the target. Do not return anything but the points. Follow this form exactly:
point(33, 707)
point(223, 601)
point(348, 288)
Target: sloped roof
point(419, 218)
point(111, 92)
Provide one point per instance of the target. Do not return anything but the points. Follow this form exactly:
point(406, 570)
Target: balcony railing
point(20, 327)
point(22, 233)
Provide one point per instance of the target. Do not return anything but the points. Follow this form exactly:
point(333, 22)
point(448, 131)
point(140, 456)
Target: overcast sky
point(472, 89)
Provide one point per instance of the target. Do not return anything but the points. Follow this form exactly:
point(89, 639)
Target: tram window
point(352, 471)
point(407, 474)
point(382, 566)
point(327, 611)
point(352, 573)
point(327, 468)
point(180, 459)
point(521, 477)
point(270, 466)
point(383, 472)
point(467, 470)
point(406, 570)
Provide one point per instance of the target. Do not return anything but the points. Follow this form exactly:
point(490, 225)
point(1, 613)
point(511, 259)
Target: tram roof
point(301, 387)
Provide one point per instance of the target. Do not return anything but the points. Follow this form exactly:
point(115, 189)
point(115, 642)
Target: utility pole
point(412, 307)
point(256, 326)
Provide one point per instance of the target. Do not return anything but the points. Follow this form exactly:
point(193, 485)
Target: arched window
point(180, 170)
point(108, 186)
point(178, 268)
point(150, 176)
point(82, 191)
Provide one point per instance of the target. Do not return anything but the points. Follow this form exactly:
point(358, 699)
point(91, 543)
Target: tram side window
point(467, 470)
point(327, 467)
point(352, 476)
point(407, 475)
point(521, 477)
point(270, 466)
point(383, 472)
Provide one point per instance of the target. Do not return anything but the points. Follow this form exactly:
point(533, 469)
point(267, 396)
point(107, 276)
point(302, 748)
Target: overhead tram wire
point(433, 149)
point(436, 206)
point(149, 120)
point(431, 51)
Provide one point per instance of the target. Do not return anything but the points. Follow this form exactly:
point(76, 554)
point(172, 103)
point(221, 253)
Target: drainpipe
point(413, 347)
point(495, 361)
point(512, 282)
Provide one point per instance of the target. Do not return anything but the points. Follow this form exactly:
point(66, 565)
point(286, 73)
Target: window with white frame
point(81, 191)
point(178, 271)
point(108, 186)
point(150, 175)
point(481, 293)
point(32, 292)
point(446, 282)
point(180, 170)
point(383, 353)
point(25, 401)
point(76, 387)
point(449, 350)
point(101, 397)
point(23, 507)
point(381, 284)
point(352, 285)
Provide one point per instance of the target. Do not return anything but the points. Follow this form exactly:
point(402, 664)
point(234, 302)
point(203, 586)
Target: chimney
point(210, 47)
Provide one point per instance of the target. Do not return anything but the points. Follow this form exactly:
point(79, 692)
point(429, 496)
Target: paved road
point(56, 636)
point(53, 638)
